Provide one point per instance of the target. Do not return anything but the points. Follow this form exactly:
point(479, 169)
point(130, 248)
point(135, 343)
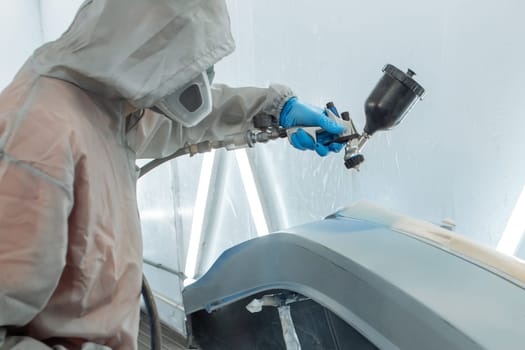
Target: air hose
point(153, 315)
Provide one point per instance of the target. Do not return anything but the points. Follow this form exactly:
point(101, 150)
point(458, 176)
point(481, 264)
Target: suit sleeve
point(233, 111)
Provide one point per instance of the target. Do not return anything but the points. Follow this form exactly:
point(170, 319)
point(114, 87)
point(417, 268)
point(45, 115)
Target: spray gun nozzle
point(354, 161)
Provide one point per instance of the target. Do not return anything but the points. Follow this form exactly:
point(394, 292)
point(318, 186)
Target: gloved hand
point(295, 113)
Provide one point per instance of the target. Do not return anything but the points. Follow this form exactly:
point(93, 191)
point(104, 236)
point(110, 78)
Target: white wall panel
point(20, 34)
point(25, 25)
point(520, 253)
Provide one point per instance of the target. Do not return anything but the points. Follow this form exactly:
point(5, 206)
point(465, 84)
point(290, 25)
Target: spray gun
point(393, 97)
point(387, 105)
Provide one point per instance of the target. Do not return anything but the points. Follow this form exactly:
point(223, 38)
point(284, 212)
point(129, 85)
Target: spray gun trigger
point(349, 134)
point(310, 130)
point(342, 139)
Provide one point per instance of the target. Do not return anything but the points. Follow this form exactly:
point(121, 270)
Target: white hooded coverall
point(70, 240)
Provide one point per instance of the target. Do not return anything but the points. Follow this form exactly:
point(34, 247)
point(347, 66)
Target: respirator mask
point(191, 103)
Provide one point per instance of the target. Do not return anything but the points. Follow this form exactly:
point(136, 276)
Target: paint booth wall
point(20, 34)
point(457, 155)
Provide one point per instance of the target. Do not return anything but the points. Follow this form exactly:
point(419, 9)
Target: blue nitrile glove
point(296, 113)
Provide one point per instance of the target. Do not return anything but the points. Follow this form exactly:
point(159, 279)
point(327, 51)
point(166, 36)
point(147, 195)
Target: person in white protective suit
point(71, 128)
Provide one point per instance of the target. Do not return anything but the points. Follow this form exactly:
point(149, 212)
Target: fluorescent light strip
point(251, 192)
point(511, 237)
point(198, 215)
